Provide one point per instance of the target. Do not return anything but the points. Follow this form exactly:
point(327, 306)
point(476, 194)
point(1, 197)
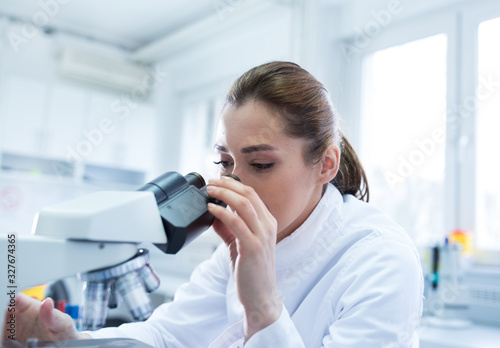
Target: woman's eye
point(223, 164)
point(262, 166)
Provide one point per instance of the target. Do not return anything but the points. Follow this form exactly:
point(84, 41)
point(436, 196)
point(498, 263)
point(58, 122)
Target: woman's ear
point(330, 164)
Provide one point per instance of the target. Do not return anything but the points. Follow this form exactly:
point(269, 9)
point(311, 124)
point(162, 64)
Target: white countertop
point(472, 336)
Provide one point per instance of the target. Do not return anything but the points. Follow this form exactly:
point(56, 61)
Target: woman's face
point(252, 145)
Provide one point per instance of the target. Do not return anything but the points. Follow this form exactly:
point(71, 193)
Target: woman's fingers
point(47, 314)
point(57, 323)
point(26, 313)
point(23, 302)
point(252, 217)
point(244, 191)
point(231, 221)
point(228, 237)
point(249, 231)
point(223, 231)
point(35, 319)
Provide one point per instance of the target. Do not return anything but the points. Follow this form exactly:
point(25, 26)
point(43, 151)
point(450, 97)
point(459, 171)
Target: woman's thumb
point(47, 314)
point(58, 324)
point(53, 319)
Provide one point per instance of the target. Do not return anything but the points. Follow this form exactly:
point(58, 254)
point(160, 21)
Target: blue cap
point(72, 311)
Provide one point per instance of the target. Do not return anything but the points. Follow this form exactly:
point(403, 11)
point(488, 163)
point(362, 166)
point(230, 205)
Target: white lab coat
point(348, 277)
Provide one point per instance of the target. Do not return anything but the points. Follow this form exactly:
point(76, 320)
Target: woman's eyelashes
point(223, 164)
point(257, 166)
point(262, 167)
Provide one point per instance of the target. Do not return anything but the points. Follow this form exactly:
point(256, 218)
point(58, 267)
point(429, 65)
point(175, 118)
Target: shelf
point(58, 171)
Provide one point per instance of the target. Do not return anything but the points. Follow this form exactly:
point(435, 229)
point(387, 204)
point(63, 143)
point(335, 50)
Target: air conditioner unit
point(97, 70)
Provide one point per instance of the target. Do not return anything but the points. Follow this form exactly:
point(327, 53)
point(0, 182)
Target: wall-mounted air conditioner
point(93, 69)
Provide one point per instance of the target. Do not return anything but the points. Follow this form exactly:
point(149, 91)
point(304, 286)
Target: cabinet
point(65, 118)
point(139, 138)
point(104, 137)
point(22, 115)
point(65, 121)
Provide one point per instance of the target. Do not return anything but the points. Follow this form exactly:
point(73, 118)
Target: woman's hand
point(249, 231)
point(35, 319)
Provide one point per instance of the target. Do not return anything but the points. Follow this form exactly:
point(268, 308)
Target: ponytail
point(305, 107)
point(351, 177)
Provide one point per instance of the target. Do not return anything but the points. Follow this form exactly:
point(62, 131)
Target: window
point(403, 125)
point(199, 130)
point(429, 110)
point(487, 139)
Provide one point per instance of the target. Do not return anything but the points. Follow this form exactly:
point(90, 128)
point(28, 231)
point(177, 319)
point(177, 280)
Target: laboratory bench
point(472, 336)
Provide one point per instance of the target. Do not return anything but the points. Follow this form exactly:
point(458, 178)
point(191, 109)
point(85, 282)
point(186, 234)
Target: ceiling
point(127, 23)
point(134, 24)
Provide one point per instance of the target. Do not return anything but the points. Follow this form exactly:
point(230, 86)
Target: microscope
point(97, 236)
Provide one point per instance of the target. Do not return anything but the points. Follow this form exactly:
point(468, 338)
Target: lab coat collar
point(328, 212)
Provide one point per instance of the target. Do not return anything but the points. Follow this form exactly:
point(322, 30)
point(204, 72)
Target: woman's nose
point(238, 173)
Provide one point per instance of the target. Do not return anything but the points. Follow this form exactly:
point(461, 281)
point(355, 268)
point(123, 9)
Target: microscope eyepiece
point(195, 179)
point(182, 203)
point(168, 184)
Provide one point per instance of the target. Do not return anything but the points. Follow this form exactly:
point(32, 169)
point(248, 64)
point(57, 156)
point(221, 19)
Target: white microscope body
point(97, 237)
point(92, 232)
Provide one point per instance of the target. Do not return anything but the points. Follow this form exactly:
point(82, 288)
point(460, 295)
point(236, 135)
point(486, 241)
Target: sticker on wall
point(11, 198)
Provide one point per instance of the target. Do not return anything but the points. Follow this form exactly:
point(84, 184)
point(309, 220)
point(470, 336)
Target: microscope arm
point(38, 260)
point(35, 260)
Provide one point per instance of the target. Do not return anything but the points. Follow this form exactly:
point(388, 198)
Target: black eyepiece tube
point(167, 184)
point(182, 203)
point(195, 179)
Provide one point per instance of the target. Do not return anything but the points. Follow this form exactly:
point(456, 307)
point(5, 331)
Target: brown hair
point(304, 105)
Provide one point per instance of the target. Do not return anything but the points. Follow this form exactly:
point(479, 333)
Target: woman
point(305, 263)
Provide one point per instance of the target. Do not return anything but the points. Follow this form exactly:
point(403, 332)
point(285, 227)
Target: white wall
point(204, 70)
point(47, 115)
point(201, 68)
point(44, 115)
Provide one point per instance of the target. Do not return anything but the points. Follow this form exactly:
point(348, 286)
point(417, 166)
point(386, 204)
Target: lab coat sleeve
point(379, 303)
point(195, 317)
point(280, 334)
point(380, 297)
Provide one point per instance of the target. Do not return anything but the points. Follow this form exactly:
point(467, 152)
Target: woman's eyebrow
point(260, 147)
point(220, 148)
point(248, 149)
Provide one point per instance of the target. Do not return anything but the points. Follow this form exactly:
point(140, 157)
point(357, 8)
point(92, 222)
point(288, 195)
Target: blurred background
point(100, 95)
